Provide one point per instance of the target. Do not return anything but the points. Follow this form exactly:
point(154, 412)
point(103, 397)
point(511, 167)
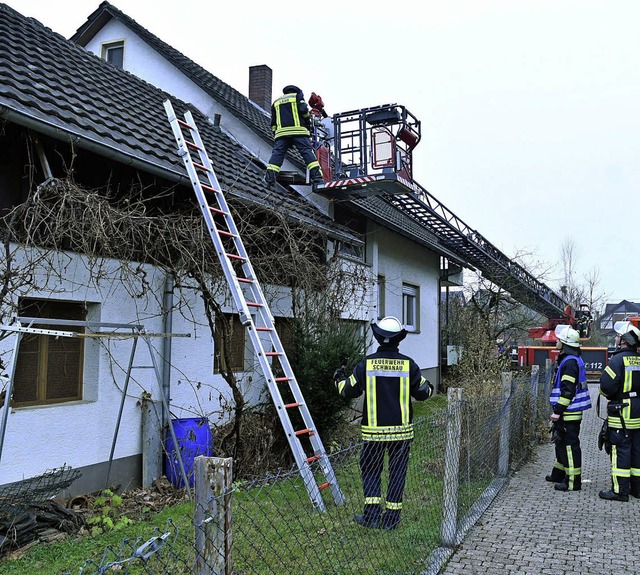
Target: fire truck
point(595, 358)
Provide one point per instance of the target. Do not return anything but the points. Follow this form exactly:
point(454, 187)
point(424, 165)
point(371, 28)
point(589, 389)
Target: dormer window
point(113, 52)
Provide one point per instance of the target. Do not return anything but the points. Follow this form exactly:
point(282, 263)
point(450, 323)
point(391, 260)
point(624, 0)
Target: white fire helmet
point(567, 335)
point(389, 329)
point(628, 333)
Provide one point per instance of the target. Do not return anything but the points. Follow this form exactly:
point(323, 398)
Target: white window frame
point(382, 299)
point(107, 47)
point(411, 307)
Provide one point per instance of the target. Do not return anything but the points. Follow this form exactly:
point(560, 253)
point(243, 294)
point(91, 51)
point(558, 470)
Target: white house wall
point(400, 261)
point(80, 433)
point(143, 61)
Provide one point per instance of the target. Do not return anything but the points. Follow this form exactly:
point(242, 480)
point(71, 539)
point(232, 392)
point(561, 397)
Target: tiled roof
point(252, 116)
point(256, 119)
point(51, 85)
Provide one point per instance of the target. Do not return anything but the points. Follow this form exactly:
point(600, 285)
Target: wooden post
point(212, 516)
point(151, 441)
point(449, 525)
point(505, 423)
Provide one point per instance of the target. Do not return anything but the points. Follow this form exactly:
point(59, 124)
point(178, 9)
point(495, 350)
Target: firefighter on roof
point(388, 380)
point(620, 384)
point(569, 398)
point(290, 123)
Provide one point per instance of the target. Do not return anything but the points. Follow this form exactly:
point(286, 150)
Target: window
point(236, 341)
point(382, 285)
point(284, 329)
point(113, 52)
point(49, 369)
point(355, 223)
point(410, 306)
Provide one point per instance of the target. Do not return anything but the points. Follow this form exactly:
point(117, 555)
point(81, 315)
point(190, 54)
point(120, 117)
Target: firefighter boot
point(567, 485)
point(370, 517)
point(316, 176)
point(390, 519)
point(557, 475)
point(611, 495)
point(269, 178)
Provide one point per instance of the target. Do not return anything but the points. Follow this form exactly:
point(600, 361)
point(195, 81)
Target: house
point(67, 113)
point(407, 261)
point(614, 312)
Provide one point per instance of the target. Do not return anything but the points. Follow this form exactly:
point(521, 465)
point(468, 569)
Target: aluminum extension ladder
point(248, 295)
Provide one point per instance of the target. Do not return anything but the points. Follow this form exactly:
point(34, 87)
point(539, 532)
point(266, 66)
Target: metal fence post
point(212, 516)
point(449, 525)
point(505, 421)
point(535, 384)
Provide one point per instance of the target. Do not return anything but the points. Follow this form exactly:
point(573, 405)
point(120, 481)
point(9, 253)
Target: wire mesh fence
point(269, 526)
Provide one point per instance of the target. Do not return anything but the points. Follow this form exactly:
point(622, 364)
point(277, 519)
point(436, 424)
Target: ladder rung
point(272, 353)
point(227, 234)
point(183, 123)
point(290, 405)
point(192, 145)
point(263, 329)
point(254, 304)
point(324, 486)
point(217, 210)
point(314, 458)
point(304, 431)
point(201, 167)
point(282, 379)
point(208, 188)
point(235, 257)
point(245, 280)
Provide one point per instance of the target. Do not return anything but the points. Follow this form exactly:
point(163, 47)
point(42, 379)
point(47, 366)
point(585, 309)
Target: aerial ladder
point(253, 310)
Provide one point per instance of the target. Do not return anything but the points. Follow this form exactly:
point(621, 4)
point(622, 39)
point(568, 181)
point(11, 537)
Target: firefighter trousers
point(302, 144)
point(371, 467)
point(568, 466)
point(625, 461)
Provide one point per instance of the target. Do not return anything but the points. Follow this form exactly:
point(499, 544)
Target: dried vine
point(161, 228)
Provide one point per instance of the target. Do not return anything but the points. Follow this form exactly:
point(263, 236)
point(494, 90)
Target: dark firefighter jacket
point(570, 395)
point(290, 116)
point(620, 382)
point(388, 380)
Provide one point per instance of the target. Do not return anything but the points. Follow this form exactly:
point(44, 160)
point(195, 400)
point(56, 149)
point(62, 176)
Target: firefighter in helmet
point(290, 123)
point(388, 380)
point(620, 384)
point(569, 398)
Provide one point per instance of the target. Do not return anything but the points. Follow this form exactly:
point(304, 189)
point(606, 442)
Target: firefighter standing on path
point(620, 384)
point(290, 123)
point(388, 380)
point(569, 398)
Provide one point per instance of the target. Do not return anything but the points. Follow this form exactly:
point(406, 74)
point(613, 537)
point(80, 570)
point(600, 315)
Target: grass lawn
point(275, 529)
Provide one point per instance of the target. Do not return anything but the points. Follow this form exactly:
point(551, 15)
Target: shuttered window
point(49, 369)
point(236, 342)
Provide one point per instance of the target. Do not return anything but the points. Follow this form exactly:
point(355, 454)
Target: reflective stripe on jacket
point(620, 381)
point(570, 394)
point(290, 116)
point(388, 380)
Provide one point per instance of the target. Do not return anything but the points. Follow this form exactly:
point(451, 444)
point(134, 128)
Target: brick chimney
point(260, 80)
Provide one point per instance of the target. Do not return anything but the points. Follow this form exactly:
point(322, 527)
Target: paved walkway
point(531, 529)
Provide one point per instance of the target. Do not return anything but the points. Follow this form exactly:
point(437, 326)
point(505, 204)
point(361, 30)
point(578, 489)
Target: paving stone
point(532, 529)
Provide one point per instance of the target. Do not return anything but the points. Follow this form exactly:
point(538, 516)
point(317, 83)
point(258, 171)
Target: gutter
point(49, 129)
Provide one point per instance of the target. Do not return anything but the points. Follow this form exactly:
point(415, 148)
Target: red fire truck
point(595, 358)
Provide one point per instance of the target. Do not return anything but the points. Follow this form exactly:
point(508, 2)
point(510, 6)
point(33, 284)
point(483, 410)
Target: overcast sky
point(531, 133)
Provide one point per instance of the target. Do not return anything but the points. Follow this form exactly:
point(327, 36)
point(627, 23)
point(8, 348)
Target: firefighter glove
point(339, 374)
